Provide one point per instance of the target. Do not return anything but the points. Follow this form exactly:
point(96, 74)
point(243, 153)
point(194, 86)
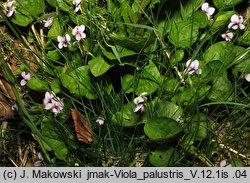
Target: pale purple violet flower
point(236, 22)
point(77, 5)
point(26, 78)
point(193, 67)
point(139, 102)
point(47, 99)
point(51, 102)
point(48, 22)
point(208, 10)
point(64, 41)
point(223, 163)
point(100, 120)
point(247, 77)
point(40, 161)
point(227, 36)
point(78, 31)
point(139, 107)
point(10, 9)
point(58, 106)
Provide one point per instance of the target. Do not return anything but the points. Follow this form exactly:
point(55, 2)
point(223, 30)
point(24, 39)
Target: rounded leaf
point(168, 109)
point(212, 70)
point(37, 85)
point(162, 156)
point(222, 51)
point(199, 126)
point(55, 142)
point(55, 86)
point(221, 90)
point(54, 54)
point(183, 33)
point(162, 129)
point(221, 19)
point(98, 66)
point(222, 4)
point(127, 117)
point(79, 82)
point(27, 10)
point(200, 18)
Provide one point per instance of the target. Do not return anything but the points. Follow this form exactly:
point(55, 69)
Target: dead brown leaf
point(81, 127)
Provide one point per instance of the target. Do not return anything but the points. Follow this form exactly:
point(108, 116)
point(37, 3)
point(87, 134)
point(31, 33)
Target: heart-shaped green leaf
point(61, 4)
point(150, 79)
point(221, 19)
point(79, 82)
point(98, 66)
point(184, 33)
point(27, 10)
point(51, 134)
point(38, 85)
point(132, 43)
point(226, 4)
point(55, 29)
point(127, 117)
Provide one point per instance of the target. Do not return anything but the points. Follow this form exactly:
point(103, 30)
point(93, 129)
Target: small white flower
point(208, 10)
point(223, 163)
point(26, 78)
point(227, 36)
point(10, 9)
point(141, 98)
point(78, 32)
point(236, 22)
point(15, 107)
point(193, 67)
point(64, 41)
point(139, 102)
point(247, 77)
point(100, 120)
point(48, 22)
point(77, 5)
point(178, 119)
